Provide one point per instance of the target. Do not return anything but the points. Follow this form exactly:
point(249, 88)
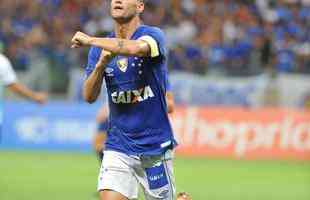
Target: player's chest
point(125, 70)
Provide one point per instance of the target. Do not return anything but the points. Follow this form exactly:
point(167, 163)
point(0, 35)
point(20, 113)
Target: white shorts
point(122, 173)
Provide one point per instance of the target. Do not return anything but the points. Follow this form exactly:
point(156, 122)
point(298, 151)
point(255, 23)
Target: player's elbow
point(89, 98)
point(90, 91)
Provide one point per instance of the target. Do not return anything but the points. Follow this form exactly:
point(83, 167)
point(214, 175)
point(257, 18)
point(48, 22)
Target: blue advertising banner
point(56, 126)
point(219, 91)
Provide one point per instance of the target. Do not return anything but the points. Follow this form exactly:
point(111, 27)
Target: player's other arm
point(24, 91)
point(102, 114)
point(92, 85)
point(170, 102)
point(9, 79)
point(125, 47)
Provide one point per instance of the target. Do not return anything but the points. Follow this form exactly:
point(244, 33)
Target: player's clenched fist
point(80, 39)
point(105, 58)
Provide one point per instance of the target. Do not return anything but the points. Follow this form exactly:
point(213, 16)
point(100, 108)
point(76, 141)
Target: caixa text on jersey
point(132, 96)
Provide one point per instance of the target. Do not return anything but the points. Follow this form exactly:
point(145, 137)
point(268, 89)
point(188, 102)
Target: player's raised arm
point(92, 85)
point(126, 47)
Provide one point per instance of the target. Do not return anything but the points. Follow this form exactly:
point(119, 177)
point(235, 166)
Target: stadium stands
point(234, 38)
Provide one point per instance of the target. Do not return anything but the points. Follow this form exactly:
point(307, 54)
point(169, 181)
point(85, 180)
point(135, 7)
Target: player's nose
point(118, 1)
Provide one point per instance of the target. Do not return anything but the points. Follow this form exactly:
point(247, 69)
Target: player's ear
point(140, 6)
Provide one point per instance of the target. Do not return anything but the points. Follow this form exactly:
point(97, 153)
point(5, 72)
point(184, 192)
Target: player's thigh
point(158, 178)
point(111, 195)
point(116, 174)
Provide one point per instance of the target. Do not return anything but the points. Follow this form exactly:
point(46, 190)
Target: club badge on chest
point(122, 64)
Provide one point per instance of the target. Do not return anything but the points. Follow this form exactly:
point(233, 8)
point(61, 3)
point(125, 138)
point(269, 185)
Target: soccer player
point(132, 60)
point(8, 78)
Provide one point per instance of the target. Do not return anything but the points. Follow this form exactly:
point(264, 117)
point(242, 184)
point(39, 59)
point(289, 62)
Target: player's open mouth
point(118, 8)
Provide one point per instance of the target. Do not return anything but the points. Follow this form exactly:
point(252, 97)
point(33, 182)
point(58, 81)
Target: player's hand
point(105, 58)
point(40, 97)
point(80, 39)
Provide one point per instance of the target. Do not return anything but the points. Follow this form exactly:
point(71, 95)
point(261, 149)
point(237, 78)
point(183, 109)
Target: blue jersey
point(136, 86)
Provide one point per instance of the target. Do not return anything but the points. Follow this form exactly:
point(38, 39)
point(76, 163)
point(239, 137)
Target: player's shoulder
point(152, 29)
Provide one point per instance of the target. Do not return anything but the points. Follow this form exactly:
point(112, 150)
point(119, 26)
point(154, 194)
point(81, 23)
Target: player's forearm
point(122, 46)
point(92, 85)
point(22, 90)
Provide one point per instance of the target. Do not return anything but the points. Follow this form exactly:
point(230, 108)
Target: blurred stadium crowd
point(225, 37)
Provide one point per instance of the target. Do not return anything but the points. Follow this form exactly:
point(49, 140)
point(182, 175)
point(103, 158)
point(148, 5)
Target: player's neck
point(125, 30)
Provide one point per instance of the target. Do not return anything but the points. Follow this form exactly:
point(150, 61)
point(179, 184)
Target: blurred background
point(240, 73)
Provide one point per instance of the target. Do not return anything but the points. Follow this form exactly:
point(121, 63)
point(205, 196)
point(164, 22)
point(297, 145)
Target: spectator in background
point(37, 63)
point(285, 55)
point(205, 37)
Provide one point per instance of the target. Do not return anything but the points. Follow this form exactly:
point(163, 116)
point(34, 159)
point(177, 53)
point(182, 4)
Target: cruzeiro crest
point(122, 64)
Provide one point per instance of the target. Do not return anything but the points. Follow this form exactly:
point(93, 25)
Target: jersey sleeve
point(93, 57)
point(7, 74)
point(155, 38)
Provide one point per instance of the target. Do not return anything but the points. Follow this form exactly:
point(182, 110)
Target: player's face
point(125, 10)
